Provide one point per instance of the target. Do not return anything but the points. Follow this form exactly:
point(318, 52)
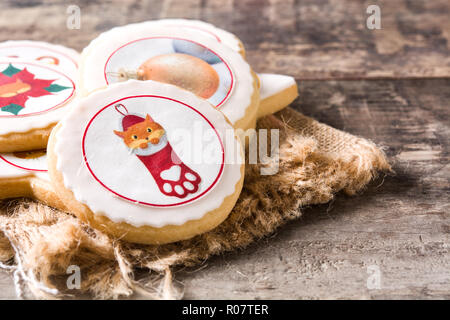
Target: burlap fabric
point(38, 244)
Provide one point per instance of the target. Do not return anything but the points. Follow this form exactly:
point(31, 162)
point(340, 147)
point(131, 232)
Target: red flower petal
point(37, 87)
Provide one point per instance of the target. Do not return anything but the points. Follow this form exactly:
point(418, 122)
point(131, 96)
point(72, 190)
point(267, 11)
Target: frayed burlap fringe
point(38, 244)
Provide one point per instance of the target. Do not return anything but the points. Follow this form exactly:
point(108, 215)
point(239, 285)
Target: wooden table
point(389, 85)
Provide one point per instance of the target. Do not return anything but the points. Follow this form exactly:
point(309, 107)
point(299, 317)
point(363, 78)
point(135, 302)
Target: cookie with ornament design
point(177, 65)
point(37, 83)
point(276, 91)
point(147, 162)
point(182, 57)
point(24, 174)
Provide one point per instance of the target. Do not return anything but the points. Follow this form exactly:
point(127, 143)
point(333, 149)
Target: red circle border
point(20, 167)
point(41, 47)
point(141, 202)
point(196, 28)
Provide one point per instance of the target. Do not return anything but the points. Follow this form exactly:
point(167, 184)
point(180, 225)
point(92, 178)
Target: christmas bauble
point(182, 70)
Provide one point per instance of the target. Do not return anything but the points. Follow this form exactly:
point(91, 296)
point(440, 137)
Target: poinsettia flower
point(16, 86)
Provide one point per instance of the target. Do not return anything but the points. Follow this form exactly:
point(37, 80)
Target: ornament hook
point(118, 106)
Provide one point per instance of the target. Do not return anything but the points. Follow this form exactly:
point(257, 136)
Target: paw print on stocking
point(147, 140)
point(172, 176)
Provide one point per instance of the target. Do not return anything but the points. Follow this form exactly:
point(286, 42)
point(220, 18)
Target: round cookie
point(33, 97)
point(24, 174)
point(147, 162)
point(276, 95)
point(277, 91)
point(181, 56)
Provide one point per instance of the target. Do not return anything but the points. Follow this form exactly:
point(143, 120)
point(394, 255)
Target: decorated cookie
point(147, 162)
point(24, 174)
point(206, 29)
point(180, 56)
point(277, 91)
point(33, 97)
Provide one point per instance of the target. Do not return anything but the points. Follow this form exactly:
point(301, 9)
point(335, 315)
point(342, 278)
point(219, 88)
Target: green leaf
point(13, 108)
point(10, 71)
point(56, 88)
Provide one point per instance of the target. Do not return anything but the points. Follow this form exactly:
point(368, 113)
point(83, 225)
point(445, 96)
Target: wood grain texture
point(401, 224)
point(309, 39)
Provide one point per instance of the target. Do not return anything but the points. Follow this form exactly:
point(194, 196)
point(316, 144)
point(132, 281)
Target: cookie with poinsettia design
point(24, 174)
point(33, 97)
point(146, 161)
point(180, 56)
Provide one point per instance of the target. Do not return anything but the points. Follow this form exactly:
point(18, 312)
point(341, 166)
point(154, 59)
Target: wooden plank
point(329, 39)
point(400, 224)
point(307, 39)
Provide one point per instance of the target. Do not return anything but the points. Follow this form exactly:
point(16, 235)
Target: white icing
point(172, 174)
point(87, 190)
point(190, 176)
point(207, 29)
point(96, 56)
point(271, 84)
point(15, 167)
point(179, 189)
point(204, 28)
point(188, 185)
point(36, 51)
point(167, 187)
point(39, 112)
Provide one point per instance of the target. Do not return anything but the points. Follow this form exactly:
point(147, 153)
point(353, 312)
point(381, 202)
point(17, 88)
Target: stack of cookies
point(143, 131)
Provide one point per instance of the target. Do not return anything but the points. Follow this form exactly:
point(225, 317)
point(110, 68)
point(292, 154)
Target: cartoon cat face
point(141, 134)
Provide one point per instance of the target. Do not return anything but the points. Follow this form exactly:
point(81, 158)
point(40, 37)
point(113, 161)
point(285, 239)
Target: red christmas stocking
point(172, 176)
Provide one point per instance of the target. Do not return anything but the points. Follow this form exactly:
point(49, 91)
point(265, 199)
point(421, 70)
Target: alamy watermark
point(374, 278)
point(197, 145)
point(73, 21)
point(374, 19)
point(74, 279)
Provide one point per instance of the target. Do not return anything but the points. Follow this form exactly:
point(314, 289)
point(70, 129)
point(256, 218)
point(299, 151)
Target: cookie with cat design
point(24, 174)
point(147, 162)
point(176, 55)
point(36, 86)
